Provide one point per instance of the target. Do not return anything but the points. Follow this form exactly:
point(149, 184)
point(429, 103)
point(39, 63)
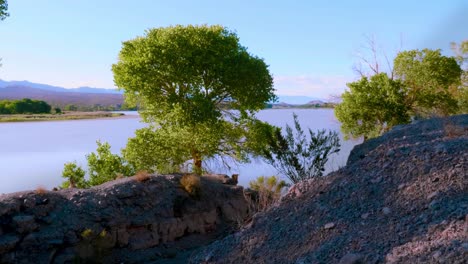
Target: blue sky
point(310, 46)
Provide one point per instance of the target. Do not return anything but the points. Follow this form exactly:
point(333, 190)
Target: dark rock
point(416, 219)
point(7, 243)
point(119, 216)
point(352, 258)
point(24, 223)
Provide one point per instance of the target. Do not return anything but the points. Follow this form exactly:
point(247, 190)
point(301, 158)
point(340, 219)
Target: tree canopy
point(461, 54)
point(3, 9)
point(432, 81)
point(423, 83)
point(194, 83)
point(24, 106)
point(372, 106)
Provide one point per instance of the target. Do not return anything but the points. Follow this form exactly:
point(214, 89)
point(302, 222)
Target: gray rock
point(386, 210)
point(352, 258)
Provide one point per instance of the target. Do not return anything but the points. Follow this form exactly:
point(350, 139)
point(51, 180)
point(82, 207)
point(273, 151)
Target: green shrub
point(105, 166)
point(298, 157)
point(75, 176)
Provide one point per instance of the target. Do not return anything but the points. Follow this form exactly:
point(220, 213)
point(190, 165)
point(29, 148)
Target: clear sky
point(309, 45)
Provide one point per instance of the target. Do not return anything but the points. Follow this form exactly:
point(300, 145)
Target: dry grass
point(266, 193)
point(41, 190)
point(191, 184)
point(452, 131)
point(142, 176)
point(119, 176)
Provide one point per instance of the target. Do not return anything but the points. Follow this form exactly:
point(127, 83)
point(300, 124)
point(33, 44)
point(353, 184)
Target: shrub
point(191, 184)
point(75, 176)
point(105, 166)
point(298, 157)
point(268, 192)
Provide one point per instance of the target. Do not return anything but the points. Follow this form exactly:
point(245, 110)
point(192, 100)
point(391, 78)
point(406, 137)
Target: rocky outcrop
point(402, 198)
point(126, 220)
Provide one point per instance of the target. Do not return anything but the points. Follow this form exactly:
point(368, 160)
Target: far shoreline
point(67, 116)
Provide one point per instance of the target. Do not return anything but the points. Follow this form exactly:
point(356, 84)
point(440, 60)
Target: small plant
point(87, 233)
point(142, 176)
point(103, 233)
point(41, 190)
point(299, 157)
point(268, 192)
point(75, 176)
point(191, 184)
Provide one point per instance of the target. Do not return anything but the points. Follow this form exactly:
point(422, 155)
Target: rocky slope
point(402, 198)
point(131, 220)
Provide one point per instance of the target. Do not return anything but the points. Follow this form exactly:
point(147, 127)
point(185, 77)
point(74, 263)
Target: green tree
point(372, 106)
point(190, 80)
point(164, 149)
point(103, 166)
point(24, 106)
point(3, 9)
point(299, 157)
point(3, 14)
point(432, 81)
point(156, 150)
point(461, 54)
point(71, 107)
point(75, 176)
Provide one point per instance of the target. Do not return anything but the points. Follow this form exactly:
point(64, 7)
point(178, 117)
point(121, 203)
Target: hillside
point(53, 88)
point(402, 198)
point(62, 98)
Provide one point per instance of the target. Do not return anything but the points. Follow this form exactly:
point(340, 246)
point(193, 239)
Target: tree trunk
point(197, 162)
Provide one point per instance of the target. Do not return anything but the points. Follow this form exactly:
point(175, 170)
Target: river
point(32, 154)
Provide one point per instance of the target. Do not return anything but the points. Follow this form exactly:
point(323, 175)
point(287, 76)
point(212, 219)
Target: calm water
point(32, 154)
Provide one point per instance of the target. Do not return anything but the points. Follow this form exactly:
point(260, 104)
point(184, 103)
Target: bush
point(298, 157)
point(191, 184)
point(268, 192)
point(105, 166)
point(75, 176)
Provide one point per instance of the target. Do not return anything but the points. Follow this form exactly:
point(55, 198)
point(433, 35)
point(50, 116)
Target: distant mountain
point(316, 102)
point(47, 87)
point(296, 100)
point(284, 99)
point(61, 98)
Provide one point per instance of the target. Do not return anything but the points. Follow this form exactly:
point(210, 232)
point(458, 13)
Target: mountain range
point(90, 96)
point(47, 87)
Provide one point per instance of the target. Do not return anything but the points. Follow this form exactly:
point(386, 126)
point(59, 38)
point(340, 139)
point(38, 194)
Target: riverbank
point(59, 117)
